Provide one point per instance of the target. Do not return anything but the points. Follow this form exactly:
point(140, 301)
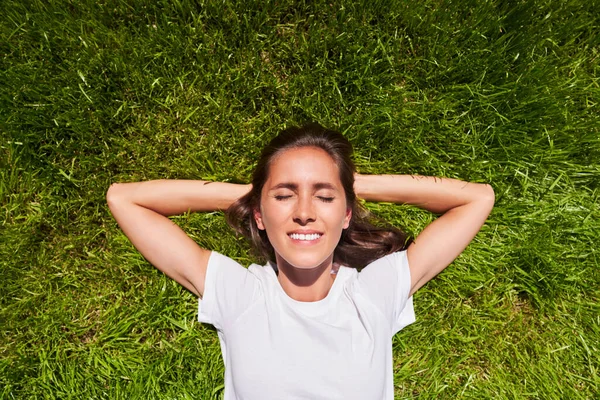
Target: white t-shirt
point(275, 347)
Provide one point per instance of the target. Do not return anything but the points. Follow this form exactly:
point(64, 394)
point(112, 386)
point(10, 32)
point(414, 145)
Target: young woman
point(317, 320)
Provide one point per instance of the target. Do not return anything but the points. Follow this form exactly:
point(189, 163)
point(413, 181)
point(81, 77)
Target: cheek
point(272, 215)
point(337, 218)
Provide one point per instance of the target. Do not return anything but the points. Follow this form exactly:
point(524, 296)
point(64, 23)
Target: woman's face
point(303, 207)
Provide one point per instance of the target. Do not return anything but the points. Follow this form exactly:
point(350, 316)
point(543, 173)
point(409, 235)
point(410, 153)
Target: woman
point(308, 324)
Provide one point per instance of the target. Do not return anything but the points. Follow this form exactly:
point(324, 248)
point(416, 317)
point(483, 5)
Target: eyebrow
point(294, 186)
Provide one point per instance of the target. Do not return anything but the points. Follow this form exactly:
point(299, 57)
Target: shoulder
point(394, 264)
point(386, 283)
point(219, 260)
point(390, 274)
point(228, 290)
point(221, 267)
point(397, 260)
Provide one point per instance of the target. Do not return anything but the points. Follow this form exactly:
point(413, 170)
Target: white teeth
point(302, 236)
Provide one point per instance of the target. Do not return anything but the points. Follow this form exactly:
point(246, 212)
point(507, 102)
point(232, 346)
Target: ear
point(258, 219)
point(348, 217)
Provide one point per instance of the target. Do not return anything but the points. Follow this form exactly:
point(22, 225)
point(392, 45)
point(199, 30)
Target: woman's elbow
point(114, 194)
point(488, 193)
point(487, 196)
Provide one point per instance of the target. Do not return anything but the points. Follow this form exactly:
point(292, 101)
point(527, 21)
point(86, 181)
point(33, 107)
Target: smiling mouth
point(305, 237)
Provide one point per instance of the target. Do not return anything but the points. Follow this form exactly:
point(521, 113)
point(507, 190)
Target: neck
point(306, 284)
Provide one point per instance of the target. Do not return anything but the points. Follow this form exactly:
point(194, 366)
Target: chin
point(306, 262)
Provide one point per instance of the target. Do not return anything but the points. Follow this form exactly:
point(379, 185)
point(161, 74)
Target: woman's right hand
point(141, 210)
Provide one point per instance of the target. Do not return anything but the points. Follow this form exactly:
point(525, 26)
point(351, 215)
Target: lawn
point(95, 92)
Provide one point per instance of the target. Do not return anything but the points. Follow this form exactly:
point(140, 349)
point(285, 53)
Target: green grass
point(505, 92)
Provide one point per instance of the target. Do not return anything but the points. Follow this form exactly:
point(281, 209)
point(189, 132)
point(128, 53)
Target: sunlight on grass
point(98, 92)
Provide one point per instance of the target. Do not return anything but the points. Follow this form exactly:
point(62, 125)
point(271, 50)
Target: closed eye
point(326, 199)
point(282, 197)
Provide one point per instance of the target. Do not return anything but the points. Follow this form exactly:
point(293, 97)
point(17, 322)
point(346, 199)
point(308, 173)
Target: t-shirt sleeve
point(228, 290)
point(386, 283)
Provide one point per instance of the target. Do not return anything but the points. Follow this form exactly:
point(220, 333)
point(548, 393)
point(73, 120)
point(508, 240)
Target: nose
point(304, 212)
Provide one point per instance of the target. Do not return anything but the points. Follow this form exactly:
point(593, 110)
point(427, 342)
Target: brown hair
point(361, 243)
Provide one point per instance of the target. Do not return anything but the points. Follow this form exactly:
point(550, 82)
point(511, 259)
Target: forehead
point(305, 164)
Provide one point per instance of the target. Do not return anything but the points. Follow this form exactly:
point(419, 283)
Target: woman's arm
point(141, 210)
point(464, 207)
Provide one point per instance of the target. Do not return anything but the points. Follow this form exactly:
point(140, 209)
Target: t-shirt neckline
point(311, 306)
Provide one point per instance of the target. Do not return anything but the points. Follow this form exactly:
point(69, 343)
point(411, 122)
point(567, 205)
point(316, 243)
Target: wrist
point(365, 186)
point(360, 185)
